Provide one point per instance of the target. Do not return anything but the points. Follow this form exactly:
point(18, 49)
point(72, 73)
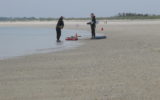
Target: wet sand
point(125, 66)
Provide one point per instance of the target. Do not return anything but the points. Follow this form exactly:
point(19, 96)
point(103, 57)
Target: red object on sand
point(71, 38)
point(74, 38)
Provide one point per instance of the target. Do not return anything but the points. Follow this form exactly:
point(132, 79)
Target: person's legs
point(93, 31)
point(58, 34)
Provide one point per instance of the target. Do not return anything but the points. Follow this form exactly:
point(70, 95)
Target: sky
point(76, 8)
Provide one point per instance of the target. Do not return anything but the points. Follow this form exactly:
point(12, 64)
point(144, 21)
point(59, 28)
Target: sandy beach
point(125, 66)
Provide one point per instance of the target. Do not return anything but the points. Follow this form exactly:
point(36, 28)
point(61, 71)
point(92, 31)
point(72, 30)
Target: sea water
point(23, 40)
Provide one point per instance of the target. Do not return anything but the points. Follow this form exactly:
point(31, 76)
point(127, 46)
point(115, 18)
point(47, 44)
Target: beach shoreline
point(125, 66)
point(26, 40)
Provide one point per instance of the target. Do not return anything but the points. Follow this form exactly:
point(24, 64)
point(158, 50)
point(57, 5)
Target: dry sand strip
point(125, 66)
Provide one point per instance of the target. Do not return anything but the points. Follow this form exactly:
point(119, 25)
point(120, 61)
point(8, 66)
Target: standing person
point(93, 25)
point(59, 26)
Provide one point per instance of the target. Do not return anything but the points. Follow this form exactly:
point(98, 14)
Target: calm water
point(19, 41)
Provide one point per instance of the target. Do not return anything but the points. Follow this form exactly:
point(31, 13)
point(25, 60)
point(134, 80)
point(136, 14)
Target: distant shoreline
point(77, 22)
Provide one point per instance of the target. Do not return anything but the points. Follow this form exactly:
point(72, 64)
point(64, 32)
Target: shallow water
point(19, 41)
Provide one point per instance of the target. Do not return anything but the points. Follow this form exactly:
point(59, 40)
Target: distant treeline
point(35, 19)
point(25, 19)
point(118, 16)
point(134, 16)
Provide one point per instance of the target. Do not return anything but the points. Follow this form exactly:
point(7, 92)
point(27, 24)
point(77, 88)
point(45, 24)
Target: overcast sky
point(75, 8)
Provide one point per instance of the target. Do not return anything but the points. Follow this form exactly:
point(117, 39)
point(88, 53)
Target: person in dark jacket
point(59, 26)
point(93, 25)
